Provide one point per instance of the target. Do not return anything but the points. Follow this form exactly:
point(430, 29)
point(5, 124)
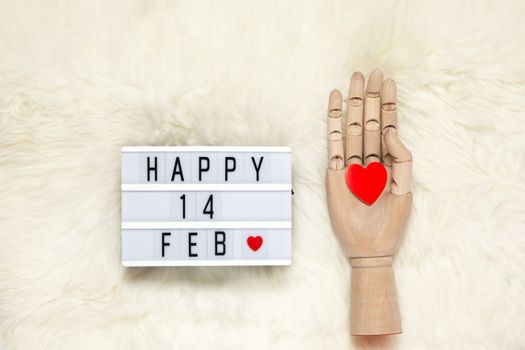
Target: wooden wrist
point(374, 305)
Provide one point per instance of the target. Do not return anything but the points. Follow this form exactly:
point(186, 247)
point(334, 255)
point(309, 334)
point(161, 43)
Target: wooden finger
point(388, 115)
point(354, 120)
point(336, 158)
point(372, 116)
point(401, 163)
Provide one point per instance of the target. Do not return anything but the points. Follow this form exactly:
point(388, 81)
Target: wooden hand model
point(369, 207)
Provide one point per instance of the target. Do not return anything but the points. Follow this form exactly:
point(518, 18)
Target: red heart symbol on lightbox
point(368, 183)
point(254, 242)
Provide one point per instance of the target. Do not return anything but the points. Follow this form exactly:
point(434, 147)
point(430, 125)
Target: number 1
point(183, 199)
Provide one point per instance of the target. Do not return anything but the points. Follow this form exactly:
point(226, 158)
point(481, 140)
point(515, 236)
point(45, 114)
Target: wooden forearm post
point(374, 306)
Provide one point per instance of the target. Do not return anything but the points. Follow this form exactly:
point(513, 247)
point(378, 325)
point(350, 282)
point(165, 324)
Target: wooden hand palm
point(363, 230)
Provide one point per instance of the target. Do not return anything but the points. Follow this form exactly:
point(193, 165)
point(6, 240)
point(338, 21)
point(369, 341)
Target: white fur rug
point(80, 80)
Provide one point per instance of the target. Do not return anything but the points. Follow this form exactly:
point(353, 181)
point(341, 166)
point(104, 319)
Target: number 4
point(208, 208)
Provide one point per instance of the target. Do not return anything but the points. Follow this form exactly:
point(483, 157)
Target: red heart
point(254, 242)
point(368, 183)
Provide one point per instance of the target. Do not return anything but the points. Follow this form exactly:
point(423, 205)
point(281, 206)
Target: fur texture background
point(79, 80)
